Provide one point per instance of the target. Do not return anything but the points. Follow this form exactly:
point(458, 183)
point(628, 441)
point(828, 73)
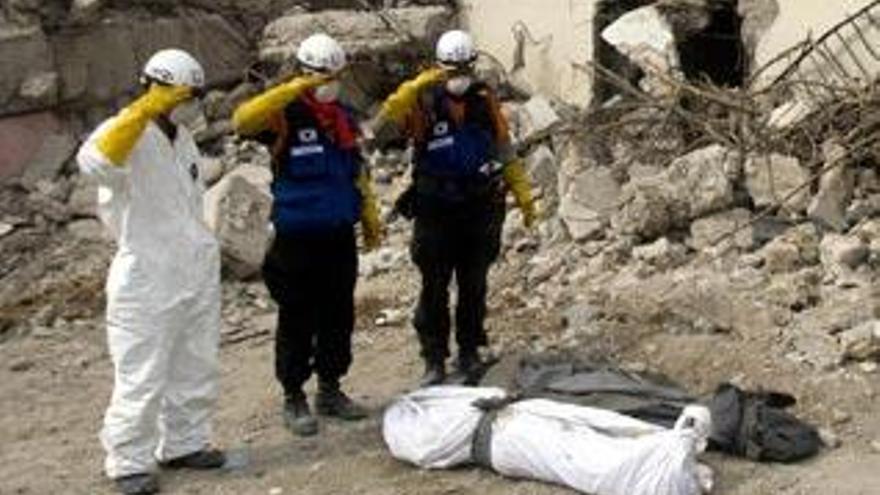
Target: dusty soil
point(55, 382)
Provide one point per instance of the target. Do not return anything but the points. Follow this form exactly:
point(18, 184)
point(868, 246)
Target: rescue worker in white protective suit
point(163, 289)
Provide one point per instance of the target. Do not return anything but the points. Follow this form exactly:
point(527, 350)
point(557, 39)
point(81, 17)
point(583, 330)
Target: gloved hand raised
point(120, 138)
point(160, 99)
point(252, 116)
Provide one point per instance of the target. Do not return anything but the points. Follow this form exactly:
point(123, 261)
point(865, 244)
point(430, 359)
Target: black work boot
point(435, 373)
point(471, 367)
point(332, 401)
point(298, 417)
point(137, 484)
point(203, 459)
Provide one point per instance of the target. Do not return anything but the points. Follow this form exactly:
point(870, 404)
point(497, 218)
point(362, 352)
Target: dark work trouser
point(312, 278)
point(463, 244)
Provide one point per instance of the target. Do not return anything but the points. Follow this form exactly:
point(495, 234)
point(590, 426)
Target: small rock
point(828, 207)
point(21, 365)
point(6, 228)
point(661, 254)
point(862, 342)
point(840, 417)
point(391, 317)
point(781, 256)
point(875, 446)
point(87, 228)
point(538, 118)
point(770, 178)
point(869, 367)
point(705, 177)
point(40, 88)
point(708, 230)
point(580, 316)
point(275, 491)
point(829, 438)
point(212, 170)
point(582, 223)
point(841, 253)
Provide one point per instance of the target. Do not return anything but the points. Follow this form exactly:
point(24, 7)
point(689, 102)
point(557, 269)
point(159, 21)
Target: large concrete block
point(359, 32)
point(237, 210)
point(102, 63)
point(25, 54)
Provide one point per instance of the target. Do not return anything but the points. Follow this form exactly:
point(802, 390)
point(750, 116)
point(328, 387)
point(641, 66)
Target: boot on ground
point(201, 460)
point(298, 416)
point(137, 484)
point(435, 374)
point(332, 401)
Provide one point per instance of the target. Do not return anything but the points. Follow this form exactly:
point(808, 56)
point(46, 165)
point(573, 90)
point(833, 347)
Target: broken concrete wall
point(558, 33)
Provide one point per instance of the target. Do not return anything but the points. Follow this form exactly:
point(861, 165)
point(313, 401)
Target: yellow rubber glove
point(518, 180)
point(252, 116)
point(370, 222)
point(117, 142)
point(398, 105)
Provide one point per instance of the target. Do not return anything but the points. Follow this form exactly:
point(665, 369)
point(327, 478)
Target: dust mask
point(329, 92)
point(459, 85)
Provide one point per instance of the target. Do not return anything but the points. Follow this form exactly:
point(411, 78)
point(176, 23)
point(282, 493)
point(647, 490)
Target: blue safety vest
point(314, 184)
point(455, 161)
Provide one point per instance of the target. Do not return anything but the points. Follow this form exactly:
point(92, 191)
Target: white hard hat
point(456, 48)
point(321, 53)
point(175, 67)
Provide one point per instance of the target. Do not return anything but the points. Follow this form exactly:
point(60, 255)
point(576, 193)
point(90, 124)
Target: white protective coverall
point(163, 301)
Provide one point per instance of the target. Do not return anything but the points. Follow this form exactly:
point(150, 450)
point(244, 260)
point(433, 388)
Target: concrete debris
point(543, 170)
point(829, 206)
point(645, 36)
point(661, 254)
point(381, 260)
point(237, 210)
point(829, 438)
point(537, 119)
point(360, 33)
point(40, 88)
point(650, 208)
point(707, 231)
point(596, 189)
point(589, 200)
point(211, 170)
point(581, 222)
point(841, 254)
point(772, 178)
point(862, 342)
point(705, 176)
point(86, 229)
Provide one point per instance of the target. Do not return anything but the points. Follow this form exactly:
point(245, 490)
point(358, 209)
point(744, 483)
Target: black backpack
point(756, 425)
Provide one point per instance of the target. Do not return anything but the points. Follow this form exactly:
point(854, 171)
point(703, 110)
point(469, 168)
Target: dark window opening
point(608, 11)
point(717, 53)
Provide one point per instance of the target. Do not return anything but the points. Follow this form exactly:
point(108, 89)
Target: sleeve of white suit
point(93, 163)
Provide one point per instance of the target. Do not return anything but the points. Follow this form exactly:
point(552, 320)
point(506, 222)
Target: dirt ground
point(55, 383)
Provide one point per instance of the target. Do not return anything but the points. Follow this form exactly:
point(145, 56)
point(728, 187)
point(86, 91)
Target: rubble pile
point(693, 214)
point(69, 65)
